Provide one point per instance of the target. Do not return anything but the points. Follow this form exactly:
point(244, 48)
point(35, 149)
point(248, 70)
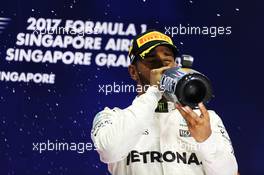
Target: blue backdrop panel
point(228, 49)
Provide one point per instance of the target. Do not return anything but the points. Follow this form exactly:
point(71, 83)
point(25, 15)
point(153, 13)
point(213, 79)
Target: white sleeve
point(115, 132)
point(216, 152)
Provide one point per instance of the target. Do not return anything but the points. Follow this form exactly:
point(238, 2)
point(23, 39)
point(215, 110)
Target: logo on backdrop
point(69, 42)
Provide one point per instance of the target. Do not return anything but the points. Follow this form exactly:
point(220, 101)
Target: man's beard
point(144, 82)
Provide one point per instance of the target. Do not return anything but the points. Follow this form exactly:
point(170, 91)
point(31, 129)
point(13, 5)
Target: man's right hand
point(155, 75)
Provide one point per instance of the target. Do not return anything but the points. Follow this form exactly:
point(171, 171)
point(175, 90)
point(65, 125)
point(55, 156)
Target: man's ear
point(133, 72)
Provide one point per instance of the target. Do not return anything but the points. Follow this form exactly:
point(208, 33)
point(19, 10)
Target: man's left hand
point(199, 126)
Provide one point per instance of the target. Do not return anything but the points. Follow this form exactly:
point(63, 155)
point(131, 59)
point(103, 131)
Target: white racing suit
point(138, 141)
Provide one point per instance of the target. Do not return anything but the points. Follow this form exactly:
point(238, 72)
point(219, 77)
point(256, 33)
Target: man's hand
point(155, 75)
point(199, 126)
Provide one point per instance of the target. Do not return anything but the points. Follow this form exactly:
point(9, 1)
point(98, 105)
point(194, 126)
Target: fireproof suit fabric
point(138, 141)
